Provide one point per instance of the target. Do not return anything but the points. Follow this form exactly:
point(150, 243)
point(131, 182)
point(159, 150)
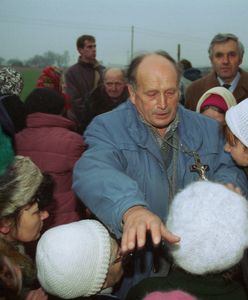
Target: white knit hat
point(237, 120)
point(212, 222)
point(73, 259)
point(218, 90)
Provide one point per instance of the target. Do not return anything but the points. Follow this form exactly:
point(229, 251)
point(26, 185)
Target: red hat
point(215, 100)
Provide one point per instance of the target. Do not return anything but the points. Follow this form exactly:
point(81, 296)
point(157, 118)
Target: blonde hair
point(18, 185)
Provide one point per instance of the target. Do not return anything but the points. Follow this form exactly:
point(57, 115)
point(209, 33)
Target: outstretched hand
point(138, 220)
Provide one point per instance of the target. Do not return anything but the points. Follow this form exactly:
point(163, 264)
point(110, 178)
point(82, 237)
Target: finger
point(124, 247)
point(238, 190)
point(131, 238)
point(168, 236)
point(141, 235)
point(128, 242)
point(155, 232)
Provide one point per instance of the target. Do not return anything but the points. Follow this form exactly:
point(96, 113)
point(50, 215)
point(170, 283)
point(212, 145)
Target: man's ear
point(5, 226)
point(132, 94)
point(240, 60)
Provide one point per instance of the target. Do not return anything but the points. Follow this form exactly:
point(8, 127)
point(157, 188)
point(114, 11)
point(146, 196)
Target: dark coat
point(98, 103)
point(210, 287)
point(200, 86)
point(81, 79)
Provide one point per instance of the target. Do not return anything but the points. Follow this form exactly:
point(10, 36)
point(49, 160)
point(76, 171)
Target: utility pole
point(178, 52)
point(132, 41)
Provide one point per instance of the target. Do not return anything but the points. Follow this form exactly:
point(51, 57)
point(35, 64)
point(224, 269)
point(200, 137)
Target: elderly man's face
point(114, 83)
point(157, 93)
point(226, 60)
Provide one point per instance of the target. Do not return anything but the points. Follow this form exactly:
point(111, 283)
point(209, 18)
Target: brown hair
point(231, 138)
point(83, 38)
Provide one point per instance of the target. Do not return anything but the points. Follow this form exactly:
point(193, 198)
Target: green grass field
point(30, 77)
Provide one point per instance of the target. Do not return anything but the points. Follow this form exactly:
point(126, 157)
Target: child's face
point(213, 114)
point(238, 152)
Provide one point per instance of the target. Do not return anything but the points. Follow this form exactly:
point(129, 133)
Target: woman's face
point(30, 223)
point(238, 152)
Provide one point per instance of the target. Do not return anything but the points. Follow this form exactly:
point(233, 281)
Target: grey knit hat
point(11, 81)
point(73, 259)
point(237, 121)
point(18, 185)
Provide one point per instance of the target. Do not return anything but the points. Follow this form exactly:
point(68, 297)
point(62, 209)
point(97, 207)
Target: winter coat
point(81, 79)
point(200, 86)
point(123, 167)
point(50, 142)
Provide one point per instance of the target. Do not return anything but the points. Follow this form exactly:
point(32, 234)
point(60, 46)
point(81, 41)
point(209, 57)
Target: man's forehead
point(88, 42)
point(113, 75)
point(153, 67)
point(225, 46)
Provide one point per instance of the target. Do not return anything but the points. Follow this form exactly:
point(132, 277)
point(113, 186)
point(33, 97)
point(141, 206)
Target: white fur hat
point(237, 120)
point(220, 91)
point(73, 259)
point(212, 222)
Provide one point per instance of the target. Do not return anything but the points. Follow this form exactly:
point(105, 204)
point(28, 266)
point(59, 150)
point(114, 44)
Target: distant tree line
point(39, 61)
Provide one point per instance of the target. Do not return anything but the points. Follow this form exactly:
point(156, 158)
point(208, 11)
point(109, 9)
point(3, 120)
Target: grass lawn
point(30, 76)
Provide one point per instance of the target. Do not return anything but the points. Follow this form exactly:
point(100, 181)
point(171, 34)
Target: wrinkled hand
point(38, 294)
point(138, 220)
point(234, 188)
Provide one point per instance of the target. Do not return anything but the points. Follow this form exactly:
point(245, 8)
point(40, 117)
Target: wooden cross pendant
point(199, 167)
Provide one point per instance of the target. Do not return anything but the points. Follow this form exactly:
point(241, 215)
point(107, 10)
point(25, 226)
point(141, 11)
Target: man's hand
point(233, 188)
point(137, 221)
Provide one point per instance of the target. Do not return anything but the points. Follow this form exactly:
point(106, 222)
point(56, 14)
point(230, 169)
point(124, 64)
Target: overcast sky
point(29, 27)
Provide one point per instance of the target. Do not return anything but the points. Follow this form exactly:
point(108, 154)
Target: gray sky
point(29, 27)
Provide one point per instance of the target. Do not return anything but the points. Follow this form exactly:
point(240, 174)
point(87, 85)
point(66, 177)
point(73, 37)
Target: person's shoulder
point(114, 121)
point(196, 120)
point(72, 68)
point(119, 113)
point(244, 74)
point(202, 81)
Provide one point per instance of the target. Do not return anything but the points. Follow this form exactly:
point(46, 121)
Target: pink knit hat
point(215, 100)
point(173, 295)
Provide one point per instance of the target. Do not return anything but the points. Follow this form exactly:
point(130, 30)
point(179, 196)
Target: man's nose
point(226, 59)
point(162, 101)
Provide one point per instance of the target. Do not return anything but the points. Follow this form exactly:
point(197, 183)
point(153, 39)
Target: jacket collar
point(188, 137)
point(142, 136)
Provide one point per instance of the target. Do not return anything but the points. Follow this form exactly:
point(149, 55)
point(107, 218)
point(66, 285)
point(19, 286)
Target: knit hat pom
point(212, 222)
point(73, 259)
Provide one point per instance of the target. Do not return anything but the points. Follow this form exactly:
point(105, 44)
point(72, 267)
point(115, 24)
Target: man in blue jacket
point(141, 154)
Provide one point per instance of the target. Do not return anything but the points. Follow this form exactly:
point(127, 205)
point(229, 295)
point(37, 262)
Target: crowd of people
point(126, 184)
